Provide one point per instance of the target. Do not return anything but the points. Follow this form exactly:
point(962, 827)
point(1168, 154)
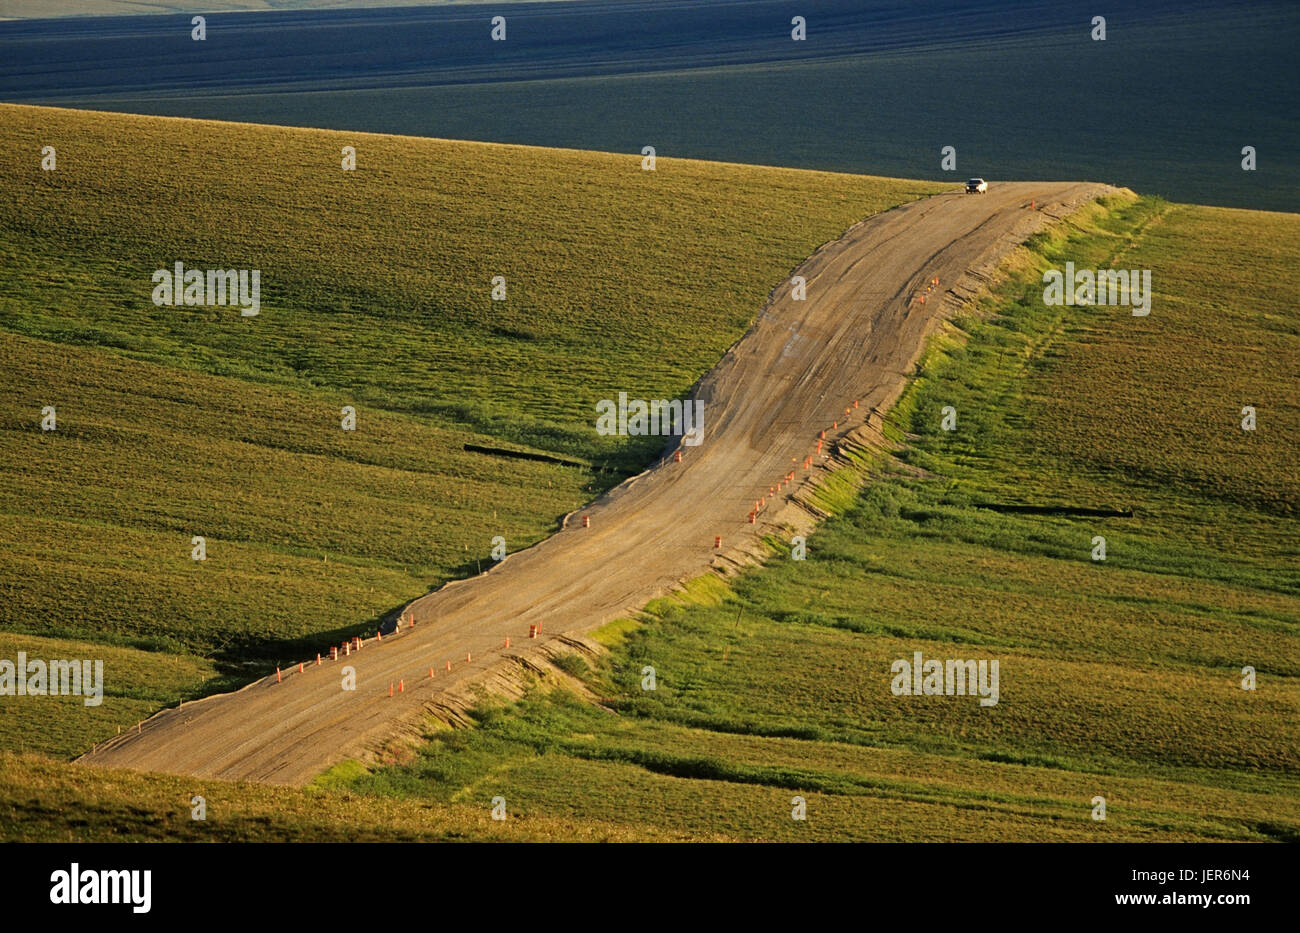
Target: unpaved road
point(855, 337)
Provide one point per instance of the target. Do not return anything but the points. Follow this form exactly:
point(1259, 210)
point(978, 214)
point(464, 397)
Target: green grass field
point(47, 801)
point(181, 421)
point(1120, 679)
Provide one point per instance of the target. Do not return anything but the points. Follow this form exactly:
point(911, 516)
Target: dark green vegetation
point(183, 421)
point(1119, 678)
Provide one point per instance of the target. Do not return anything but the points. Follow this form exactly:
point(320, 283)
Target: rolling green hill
point(1118, 678)
point(174, 422)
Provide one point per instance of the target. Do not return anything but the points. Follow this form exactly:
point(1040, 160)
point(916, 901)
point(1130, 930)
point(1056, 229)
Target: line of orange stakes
point(533, 631)
point(807, 463)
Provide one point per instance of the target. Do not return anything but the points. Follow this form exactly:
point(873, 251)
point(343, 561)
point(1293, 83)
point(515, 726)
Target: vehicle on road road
point(976, 186)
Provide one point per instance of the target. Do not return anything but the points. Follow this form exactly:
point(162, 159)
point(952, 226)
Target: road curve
point(855, 337)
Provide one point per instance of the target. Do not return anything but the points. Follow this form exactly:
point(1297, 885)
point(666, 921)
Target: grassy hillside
point(183, 421)
point(1119, 678)
point(46, 801)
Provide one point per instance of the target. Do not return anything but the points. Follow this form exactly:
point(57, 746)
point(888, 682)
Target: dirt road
point(855, 337)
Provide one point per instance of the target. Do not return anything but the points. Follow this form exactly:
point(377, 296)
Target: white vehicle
point(976, 186)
